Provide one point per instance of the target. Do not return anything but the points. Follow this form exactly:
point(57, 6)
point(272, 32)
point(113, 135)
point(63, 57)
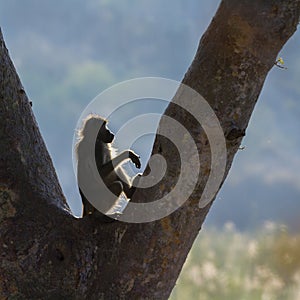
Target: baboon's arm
point(110, 166)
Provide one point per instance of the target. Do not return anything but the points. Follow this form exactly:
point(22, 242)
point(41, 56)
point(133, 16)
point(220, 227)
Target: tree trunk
point(46, 253)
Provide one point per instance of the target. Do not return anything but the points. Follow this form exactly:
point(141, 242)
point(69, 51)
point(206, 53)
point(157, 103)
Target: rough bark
point(46, 253)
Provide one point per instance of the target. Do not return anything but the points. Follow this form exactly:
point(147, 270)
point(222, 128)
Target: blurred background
point(67, 53)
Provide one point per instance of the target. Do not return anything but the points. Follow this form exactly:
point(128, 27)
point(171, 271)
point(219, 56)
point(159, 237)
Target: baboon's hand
point(135, 159)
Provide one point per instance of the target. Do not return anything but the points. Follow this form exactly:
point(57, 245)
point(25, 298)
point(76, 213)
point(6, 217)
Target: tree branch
point(25, 164)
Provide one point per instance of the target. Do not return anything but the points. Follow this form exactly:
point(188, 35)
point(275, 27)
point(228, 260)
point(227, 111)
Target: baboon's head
point(105, 135)
point(92, 123)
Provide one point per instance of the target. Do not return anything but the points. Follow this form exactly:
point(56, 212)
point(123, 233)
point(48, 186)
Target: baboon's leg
point(110, 166)
point(131, 189)
point(112, 214)
point(88, 209)
point(116, 187)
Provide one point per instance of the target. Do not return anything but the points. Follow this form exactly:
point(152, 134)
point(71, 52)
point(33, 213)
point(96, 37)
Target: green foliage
point(226, 264)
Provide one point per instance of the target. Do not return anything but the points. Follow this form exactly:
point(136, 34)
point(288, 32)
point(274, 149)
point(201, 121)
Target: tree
point(47, 253)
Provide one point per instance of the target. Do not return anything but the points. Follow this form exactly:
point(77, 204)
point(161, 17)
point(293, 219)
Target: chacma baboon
point(112, 174)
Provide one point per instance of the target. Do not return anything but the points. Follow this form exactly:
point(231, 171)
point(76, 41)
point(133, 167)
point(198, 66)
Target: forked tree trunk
point(46, 253)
